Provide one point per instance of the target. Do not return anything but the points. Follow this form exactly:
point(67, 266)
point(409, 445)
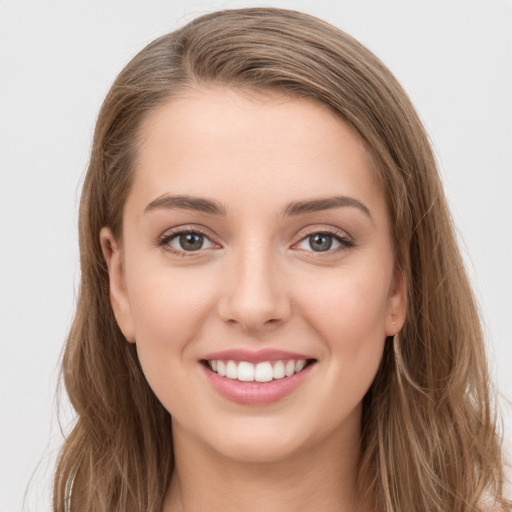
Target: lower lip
point(256, 393)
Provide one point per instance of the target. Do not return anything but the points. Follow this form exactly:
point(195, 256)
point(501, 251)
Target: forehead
point(218, 141)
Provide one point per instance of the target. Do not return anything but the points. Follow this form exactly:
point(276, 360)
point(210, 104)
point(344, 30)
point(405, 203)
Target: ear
point(397, 303)
point(118, 294)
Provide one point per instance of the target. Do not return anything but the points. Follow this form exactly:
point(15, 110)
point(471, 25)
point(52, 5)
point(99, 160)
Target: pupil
point(191, 241)
point(320, 242)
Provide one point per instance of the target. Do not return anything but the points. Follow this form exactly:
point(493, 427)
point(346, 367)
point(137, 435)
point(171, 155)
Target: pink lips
point(260, 356)
point(255, 393)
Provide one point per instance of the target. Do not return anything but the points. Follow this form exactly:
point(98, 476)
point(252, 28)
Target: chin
point(259, 443)
point(263, 451)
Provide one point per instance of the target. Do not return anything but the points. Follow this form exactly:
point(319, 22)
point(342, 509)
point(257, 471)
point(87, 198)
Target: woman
point(273, 311)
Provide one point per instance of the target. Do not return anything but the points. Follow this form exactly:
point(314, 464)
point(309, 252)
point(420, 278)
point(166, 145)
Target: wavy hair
point(429, 437)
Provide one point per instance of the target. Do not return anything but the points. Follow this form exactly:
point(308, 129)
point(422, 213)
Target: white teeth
point(231, 370)
point(245, 371)
point(290, 368)
point(261, 372)
point(278, 370)
point(221, 368)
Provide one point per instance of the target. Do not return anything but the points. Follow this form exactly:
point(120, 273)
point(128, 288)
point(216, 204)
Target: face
point(256, 242)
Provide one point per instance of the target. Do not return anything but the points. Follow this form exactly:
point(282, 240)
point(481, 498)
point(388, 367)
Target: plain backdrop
point(57, 60)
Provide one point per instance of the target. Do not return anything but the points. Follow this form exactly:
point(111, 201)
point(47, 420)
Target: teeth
point(278, 370)
point(261, 372)
point(245, 371)
point(231, 370)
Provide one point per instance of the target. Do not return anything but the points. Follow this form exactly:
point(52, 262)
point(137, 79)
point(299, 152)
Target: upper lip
point(258, 356)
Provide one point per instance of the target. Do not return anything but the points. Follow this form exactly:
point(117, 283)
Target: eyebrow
point(316, 205)
point(186, 203)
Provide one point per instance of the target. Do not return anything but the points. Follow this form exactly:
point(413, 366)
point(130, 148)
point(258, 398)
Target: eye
point(186, 241)
point(324, 242)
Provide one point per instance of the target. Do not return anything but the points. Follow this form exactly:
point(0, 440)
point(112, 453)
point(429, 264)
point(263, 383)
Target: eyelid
point(164, 239)
point(341, 236)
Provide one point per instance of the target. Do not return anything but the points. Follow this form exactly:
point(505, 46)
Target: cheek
point(349, 305)
point(349, 313)
point(167, 305)
point(168, 310)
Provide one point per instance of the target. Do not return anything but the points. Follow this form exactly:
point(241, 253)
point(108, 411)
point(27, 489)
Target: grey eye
point(319, 242)
point(190, 242)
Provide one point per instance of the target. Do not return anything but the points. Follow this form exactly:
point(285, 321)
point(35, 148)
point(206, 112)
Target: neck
point(320, 478)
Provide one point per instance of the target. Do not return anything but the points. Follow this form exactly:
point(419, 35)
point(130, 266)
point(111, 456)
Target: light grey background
point(454, 57)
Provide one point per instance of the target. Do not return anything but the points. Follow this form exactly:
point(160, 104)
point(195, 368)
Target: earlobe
point(397, 305)
point(117, 286)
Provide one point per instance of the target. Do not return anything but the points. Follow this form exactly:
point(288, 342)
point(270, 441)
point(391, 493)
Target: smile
point(265, 371)
point(256, 378)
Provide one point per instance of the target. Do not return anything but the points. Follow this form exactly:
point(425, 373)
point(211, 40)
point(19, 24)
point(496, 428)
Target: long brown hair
point(429, 439)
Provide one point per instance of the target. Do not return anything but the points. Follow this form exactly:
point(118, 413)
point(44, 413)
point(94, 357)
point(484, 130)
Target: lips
point(261, 377)
point(254, 356)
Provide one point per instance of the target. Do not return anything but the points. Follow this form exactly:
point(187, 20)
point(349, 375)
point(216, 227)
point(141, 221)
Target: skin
point(256, 282)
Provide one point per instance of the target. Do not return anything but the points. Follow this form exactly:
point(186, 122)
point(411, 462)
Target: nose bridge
point(256, 297)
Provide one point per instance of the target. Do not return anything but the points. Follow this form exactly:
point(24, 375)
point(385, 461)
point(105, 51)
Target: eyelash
point(164, 241)
point(340, 237)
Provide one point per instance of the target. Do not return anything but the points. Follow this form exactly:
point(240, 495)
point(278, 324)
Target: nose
point(255, 295)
